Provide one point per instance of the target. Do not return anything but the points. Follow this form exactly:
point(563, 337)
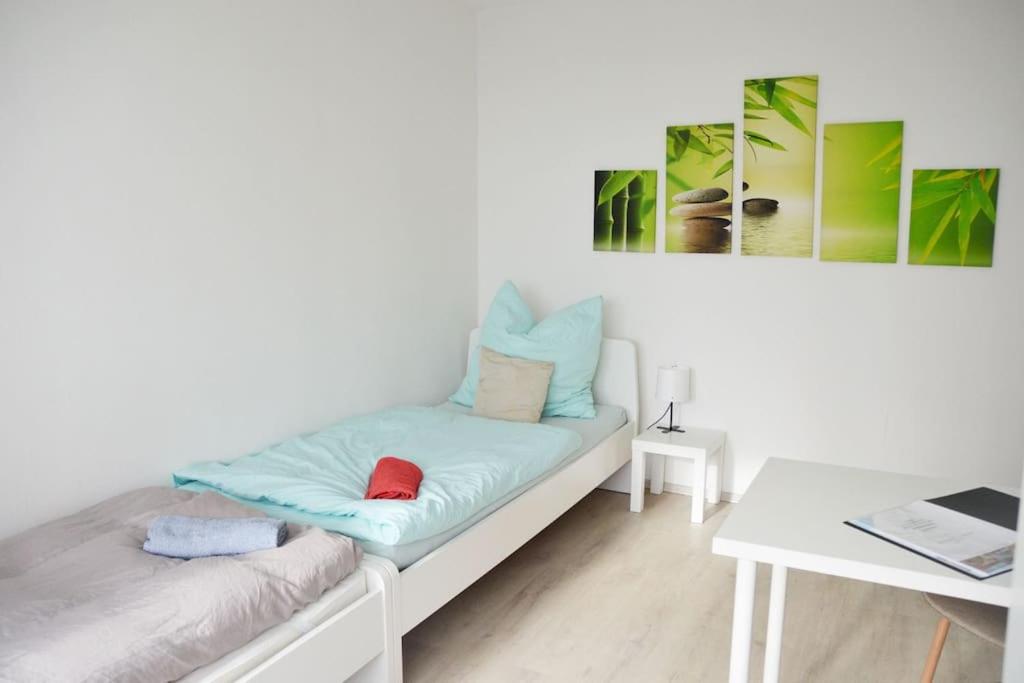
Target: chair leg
point(938, 640)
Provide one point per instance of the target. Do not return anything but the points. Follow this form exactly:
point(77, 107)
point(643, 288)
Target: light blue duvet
point(468, 463)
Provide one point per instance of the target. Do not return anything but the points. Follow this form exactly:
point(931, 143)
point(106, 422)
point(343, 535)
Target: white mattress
point(273, 640)
point(608, 420)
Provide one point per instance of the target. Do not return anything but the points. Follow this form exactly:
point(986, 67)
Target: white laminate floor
point(607, 595)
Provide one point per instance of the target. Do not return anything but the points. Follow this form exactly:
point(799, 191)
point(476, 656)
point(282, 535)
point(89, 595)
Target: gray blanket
point(81, 601)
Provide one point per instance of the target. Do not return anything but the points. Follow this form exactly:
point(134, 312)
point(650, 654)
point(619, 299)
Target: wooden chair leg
point(938, 640)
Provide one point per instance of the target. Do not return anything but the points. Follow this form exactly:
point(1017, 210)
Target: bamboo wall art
point(860, 194)
point(953, 216)
point(779, 128)
point(625, 206)
point(698, 178)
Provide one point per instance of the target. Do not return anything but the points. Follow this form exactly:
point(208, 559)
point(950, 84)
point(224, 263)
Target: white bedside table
point(704, 446)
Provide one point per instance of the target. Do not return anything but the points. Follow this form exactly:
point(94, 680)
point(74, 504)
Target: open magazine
point(972, 531)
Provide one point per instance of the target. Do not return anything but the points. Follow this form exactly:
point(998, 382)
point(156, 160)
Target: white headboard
point(617, 380)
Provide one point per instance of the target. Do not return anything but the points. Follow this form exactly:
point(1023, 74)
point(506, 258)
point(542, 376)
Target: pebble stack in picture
point(703, 208)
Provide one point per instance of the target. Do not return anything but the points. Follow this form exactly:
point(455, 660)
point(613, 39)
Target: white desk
point(704, 446)
point(792, 516)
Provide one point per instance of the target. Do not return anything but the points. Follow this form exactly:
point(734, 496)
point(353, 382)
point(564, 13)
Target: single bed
point(439, 566)
point(81, 600)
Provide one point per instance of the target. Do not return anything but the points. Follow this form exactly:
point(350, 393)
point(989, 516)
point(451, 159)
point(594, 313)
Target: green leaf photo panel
point(860, 194)
point(625, 206)
point(698, 179)
point(953, 216)
point(779, 124)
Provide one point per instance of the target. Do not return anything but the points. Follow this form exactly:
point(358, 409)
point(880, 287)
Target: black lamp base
point(671, 427)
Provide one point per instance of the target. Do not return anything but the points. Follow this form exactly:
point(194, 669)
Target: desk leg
point(742, 621)
point(776, 618)
point(700, 483)
point(636, 482)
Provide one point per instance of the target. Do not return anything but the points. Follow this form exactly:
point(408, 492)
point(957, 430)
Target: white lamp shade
point(673, 384)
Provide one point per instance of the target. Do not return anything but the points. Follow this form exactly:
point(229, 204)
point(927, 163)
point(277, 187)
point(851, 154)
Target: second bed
point(489, 486)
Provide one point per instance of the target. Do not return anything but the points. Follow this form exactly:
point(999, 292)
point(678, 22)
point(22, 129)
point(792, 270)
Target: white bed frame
point(363, 641)
point(358, 643)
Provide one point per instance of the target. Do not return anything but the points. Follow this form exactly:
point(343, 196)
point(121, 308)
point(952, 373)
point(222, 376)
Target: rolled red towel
point(394, 479)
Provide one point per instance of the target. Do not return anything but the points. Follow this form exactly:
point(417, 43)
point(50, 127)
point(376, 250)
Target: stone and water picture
point(779, 124)
point(625, 210)
point(698, 179)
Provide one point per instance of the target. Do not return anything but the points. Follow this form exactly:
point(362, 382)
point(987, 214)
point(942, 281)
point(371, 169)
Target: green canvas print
point(953, 216)
point(698, 180)
point(625, 206)
point(779, 128)
point(860, 194)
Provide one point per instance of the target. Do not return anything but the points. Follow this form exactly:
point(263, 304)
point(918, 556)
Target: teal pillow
point(569, 338)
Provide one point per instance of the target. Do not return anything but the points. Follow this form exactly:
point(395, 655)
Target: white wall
point(222, 224)
point(914, 369)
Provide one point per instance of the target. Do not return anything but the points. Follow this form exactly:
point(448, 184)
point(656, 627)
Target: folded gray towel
point(189, 537)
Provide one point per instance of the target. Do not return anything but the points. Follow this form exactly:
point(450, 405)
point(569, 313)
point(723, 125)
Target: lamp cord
point(660, 418)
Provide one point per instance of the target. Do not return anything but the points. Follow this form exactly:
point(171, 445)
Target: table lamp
point(674, 387)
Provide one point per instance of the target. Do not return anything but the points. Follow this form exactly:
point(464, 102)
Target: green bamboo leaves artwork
point(698, 178)
point(625, 205)
point(860, 195)
point(952, 214)
point(779, 124)
point(953, 217)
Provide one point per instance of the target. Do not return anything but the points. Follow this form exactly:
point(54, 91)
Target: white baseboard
point(679, 489)
point(620, 482)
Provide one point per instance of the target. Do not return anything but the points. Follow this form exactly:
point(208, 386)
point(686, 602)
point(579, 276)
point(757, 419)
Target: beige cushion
point(511, 388)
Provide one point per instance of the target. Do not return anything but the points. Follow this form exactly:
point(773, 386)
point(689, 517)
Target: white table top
point(793, 515)
point(693, 437)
